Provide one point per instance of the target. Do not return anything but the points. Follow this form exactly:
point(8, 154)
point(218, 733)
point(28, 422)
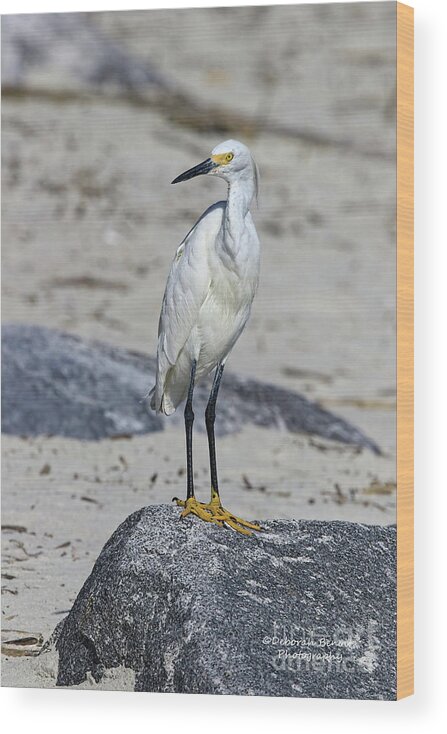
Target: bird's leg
point(210, 416)
point(190, 504)
point(219, 514)
point(213, 510)
point(189, 420)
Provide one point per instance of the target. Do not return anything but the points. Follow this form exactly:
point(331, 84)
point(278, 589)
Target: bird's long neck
point(240, 196)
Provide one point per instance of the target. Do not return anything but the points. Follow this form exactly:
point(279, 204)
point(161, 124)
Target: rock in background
point(192, 608)
point(63, 53)
point(56, 384)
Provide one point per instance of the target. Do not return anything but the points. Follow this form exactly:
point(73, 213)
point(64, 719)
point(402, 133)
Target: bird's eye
point(229, 157)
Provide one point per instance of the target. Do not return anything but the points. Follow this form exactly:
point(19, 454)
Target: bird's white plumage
point(211, 284)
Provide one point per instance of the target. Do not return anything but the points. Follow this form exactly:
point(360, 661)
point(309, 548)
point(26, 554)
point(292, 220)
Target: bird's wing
point(188, 284)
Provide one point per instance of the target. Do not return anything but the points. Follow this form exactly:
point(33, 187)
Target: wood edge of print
point(405, 351)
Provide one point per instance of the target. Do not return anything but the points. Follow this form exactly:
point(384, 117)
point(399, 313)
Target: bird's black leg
point(212, 511)
point(210, 415)
point(189, 420)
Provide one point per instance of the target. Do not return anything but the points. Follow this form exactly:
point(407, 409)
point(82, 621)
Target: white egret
point(207, 302)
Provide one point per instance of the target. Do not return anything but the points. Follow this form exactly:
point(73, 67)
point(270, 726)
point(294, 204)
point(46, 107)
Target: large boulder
point(303, 608)
point(57, 384)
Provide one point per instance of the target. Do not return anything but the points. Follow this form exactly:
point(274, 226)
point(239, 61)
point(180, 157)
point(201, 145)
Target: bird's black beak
point(198, 170)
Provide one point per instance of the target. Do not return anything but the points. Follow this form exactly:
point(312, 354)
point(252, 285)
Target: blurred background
point(101, 111)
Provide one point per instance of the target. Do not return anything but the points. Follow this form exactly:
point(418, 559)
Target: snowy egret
point(207, 302)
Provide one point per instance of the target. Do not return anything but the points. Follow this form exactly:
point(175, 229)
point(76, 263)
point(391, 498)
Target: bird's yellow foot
point(214, 512)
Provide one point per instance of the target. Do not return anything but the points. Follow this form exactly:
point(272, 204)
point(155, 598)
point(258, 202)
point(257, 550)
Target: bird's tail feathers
point(162, 405)
point(166, 406)
point(151, 396)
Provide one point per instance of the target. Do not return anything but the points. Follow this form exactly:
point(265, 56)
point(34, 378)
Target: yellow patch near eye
point(223, 159)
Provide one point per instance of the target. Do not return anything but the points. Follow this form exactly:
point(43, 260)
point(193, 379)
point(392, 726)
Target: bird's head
point(230, 160)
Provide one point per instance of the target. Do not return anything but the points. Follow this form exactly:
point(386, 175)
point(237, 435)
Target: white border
point(36, 711)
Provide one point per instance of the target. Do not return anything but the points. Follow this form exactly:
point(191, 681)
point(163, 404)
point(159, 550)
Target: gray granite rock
point(56, 384)
point(304, 608)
